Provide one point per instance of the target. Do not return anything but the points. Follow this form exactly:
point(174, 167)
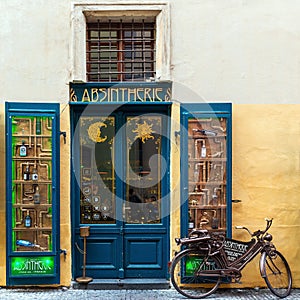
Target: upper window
point(120, 51)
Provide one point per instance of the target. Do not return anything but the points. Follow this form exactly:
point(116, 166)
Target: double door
point(120, 191)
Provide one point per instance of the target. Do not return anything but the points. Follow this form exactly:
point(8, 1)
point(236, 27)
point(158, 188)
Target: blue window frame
point(32, 173)
point(206, 167)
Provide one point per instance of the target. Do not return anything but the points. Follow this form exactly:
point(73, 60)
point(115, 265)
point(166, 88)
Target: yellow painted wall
point(65, 216)
point(266, 177)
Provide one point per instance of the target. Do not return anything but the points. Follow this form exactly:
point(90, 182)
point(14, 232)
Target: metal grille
point(120, 51)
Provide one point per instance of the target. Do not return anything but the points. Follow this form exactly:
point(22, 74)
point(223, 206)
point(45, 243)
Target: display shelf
point(32, 219)
point(33, 229)
point(32, 180)
point(207, 173)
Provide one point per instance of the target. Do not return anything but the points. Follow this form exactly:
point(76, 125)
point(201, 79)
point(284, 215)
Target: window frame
point(120, 50)
point(83, 11)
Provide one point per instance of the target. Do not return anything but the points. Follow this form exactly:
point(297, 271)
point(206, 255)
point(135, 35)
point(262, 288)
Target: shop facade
point(118, 140)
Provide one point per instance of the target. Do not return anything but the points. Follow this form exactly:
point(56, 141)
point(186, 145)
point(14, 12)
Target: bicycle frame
point(242, 261)
point(233, 268)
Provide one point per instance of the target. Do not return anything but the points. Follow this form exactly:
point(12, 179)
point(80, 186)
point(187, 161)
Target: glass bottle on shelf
point(23, 150)
point(36, 196)
point(191, 221)
point(215, 221)
point(27, 220)
point(38, 126)
point(203, 150)
point(26, 175)
point(34, 175)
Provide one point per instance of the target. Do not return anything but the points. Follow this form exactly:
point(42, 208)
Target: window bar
point(99, 51)
point(143, 50)
point(109, 52)
point(120, 52)
point(153, 56)
point(132, 51)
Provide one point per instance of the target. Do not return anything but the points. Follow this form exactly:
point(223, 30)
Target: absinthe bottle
point(34, 175)
point(38, 126)
point(27, 220)
point(23, 149)
point(191, 221)
point(26, 175)
point(36, 196)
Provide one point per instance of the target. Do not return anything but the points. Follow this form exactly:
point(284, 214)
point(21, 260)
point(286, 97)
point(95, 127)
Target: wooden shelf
point(209, 159)
point(32, 182)
point(29, 158)
point(32, 205)
point(32, 229)
point(210, 207)
point(205, 183)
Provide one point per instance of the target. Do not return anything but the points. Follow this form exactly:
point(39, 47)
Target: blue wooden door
point(120, 188)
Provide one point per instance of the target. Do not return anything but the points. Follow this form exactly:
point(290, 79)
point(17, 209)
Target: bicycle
point(208, 259)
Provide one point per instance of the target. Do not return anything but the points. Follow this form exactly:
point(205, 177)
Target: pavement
point(166, 294)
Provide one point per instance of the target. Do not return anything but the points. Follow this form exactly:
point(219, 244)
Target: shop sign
point(234, 249)
point(37, 265)
point(120, 92)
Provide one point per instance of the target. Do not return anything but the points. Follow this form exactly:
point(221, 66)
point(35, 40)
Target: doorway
point(120, 189)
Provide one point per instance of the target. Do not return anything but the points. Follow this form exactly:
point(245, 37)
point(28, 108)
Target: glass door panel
point(97, 180)
point(207, 158)
point(31, 183)
point(143, 169)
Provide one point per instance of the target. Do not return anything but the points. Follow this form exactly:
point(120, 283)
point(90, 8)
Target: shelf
point(29, 158)
point(209, 159)
point(205, 183)
point(32, 205)
point(32, 229)
point(220, 230)
point(210, 207)
point(32, 135)
point(201, 136)
point(33, 181)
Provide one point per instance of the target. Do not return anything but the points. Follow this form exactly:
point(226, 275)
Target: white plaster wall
point(242, 51)
point(34, 50)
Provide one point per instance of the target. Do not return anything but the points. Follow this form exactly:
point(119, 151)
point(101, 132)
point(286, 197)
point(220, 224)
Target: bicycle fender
point(261, 264)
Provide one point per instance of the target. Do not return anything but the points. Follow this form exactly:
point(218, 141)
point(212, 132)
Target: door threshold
point(124, 284)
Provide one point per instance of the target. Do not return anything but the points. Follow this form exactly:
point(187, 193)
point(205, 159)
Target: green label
point(40, 265)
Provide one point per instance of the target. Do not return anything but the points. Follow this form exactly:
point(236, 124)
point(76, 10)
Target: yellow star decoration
point(144, 131)
point(94, 132)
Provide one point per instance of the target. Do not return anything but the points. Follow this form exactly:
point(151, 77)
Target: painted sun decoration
point(144, 131)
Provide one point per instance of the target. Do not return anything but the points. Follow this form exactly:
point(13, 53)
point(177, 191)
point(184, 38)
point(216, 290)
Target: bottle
point(191, 222)
point(34, 175)
point(203, 150)
point(196, 173)
point(23, 149)
point(26, 175)
point(24, 243)
point(36, 196)
point(214, 221)
point(38, 125)
point(27, 220)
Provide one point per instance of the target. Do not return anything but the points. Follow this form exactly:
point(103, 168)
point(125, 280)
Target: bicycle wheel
point(277, 274)
point(184, 274)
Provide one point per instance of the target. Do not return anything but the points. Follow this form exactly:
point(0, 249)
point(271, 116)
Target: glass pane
point(32, 183)
point(97, 181)
point(207, 173)
point(143, 189)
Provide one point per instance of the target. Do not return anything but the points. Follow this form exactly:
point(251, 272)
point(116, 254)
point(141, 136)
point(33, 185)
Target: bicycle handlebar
point(257, 232)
